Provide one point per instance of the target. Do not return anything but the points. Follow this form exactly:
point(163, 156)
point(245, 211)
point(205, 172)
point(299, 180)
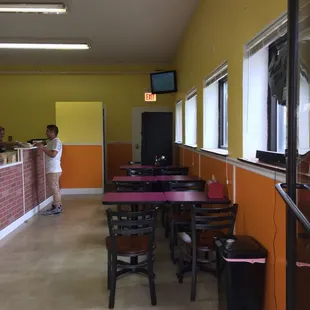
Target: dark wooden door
point(156, 136)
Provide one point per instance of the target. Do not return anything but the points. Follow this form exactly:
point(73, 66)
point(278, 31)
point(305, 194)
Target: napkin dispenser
point(215, 189)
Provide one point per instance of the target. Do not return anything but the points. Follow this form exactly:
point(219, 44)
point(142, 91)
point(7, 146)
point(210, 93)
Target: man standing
point(53, 152)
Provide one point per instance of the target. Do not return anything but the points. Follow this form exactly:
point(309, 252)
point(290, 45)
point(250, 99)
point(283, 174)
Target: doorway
point(137, 127)
point(104, 146)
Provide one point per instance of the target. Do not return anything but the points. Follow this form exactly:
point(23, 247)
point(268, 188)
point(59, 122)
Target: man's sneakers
point(54, 210)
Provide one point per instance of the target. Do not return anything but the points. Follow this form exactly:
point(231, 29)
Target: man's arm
point(50, 153)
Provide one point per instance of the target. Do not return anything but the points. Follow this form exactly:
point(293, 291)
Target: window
point(191, 118)
point(178, 122)
point(223, 113)
point(215, 110)
point(264, 98)
point(276, 111)
point(264, 101)
point(303, 113)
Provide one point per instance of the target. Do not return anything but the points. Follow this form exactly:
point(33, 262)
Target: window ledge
point(178, 142)
point(258, 163)
point(216, 151)
point(191, 146)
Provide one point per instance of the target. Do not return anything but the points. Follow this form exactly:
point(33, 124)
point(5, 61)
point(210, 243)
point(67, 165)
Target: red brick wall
point(11, 187)
point(33, 178)
point(11, 195)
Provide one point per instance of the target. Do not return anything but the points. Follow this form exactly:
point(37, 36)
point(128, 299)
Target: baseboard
point(82, 191)
point(7, 230)
point(38, 208)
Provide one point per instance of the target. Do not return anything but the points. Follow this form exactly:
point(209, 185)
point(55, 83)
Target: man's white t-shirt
point(52, 164)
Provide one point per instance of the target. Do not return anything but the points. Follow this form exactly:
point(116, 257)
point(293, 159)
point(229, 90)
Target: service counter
point(23, 189)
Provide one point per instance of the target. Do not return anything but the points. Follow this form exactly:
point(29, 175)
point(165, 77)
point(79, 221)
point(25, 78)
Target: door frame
point(104, 146)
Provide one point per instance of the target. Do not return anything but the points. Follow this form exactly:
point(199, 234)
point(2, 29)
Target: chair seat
point(205, 239)
point(130, 245)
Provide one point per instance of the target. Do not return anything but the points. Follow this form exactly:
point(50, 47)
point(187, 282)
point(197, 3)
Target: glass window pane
point(191, 121)
point(225, 115)
point(281, 128)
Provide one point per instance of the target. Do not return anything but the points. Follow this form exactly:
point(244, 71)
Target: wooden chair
point(134, 163)
point(130, 237)
point(133, 187)
point(179, 216)
point(173, 171)
point(129, 187)
point(139, 172)
point(195, 247)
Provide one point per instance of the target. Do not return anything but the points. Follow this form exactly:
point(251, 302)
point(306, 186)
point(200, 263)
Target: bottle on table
point(156, 160)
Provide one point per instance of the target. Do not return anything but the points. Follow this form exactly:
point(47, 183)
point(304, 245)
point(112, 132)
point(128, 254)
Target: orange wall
point(82, 166)
point(118, 154)
point(191, 160)
point(205, 167)
point(261, 214)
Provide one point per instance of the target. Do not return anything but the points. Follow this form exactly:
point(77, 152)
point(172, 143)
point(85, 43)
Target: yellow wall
point(27, 101)
point(80, 122)
point(217, 33)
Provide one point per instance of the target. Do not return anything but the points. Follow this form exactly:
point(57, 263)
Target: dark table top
point(177, 178)
point(193, 197)
point(133, 179)
point(125, 167)
point(160, 178)
point(133, 198)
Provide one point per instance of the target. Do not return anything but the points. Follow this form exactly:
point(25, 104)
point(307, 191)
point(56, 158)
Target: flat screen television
point(164, 82)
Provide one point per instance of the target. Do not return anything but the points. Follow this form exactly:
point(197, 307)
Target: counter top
point(10, 165)
point(25, 148)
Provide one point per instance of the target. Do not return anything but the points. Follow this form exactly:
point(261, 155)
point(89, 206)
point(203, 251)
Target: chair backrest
point(213, 219)
point(133, 187)
point(132, 224)
point(139, 172)
point(134, 163)
point(173, 171)
point(192, 186)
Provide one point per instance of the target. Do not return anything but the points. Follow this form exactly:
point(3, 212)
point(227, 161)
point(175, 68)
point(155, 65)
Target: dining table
point(134, 179)
point(177, 178)
point(133, 198)
point(194, 198)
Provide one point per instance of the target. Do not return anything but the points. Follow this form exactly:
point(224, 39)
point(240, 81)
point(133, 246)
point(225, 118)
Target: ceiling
point(119, 31)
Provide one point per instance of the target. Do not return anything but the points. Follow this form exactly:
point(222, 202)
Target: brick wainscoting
point(23, 190)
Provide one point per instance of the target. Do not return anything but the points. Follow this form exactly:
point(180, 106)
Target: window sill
point(178, 143)
point(258, 163)
point(216, 151)
point(191, 146)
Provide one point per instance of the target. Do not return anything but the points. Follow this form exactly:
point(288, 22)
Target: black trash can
point(241, 268)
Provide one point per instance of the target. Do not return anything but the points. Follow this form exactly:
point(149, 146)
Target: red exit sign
point(149, 97)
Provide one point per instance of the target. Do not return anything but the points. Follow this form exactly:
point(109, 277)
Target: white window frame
point(179, 122)
point(191, 118)
point(211, 110)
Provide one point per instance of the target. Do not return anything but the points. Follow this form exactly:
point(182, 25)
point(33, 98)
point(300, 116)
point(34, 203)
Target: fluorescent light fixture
point(45, 46)
point(33, 8)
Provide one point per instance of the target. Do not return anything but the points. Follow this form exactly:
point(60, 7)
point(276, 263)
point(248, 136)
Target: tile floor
point(60, 263)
